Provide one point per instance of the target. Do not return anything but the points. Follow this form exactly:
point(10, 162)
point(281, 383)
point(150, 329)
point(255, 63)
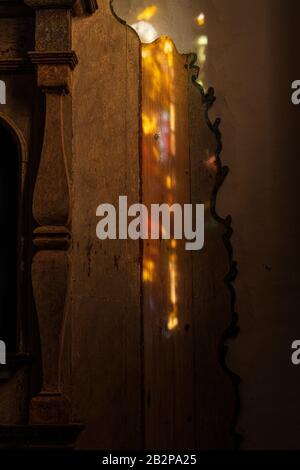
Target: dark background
point(252, 57)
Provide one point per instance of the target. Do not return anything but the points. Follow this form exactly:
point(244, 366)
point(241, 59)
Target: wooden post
point(50, 268)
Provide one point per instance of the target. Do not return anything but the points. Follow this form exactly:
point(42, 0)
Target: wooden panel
point(167, 276)
point(106, 275)
point(187, 306)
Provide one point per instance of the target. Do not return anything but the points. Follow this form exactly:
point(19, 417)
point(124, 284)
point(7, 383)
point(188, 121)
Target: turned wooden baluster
point(50, 264)
point(50, 267)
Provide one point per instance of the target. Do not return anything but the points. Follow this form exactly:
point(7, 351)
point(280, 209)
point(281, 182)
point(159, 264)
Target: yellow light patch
point(147, 14)
point(148, 271)
point(149, 124)
point(200, 20)
point(172, 117)
point(172, 322)
point(168, 47)
point(168, 182)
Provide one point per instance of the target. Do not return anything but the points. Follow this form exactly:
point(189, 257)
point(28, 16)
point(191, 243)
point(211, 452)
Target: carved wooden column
point(55, 61)
point(50, 264)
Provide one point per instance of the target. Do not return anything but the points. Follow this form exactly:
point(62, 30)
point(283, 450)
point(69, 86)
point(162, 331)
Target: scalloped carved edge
point(208, 99)
point(113, 12)
point(121, 20)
